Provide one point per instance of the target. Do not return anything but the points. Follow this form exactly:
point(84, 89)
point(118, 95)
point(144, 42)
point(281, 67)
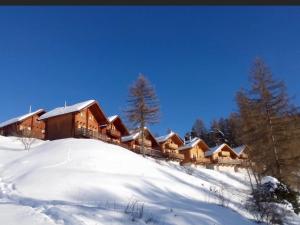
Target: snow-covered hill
point(76, 181)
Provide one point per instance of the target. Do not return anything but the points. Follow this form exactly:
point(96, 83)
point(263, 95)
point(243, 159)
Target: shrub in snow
point(189, 170)
point(26, 138)
point(271, 201)
point(280, 193)
point(135, 209)
point(219, 194)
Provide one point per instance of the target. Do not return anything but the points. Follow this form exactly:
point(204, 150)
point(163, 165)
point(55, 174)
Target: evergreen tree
point(234, 127)
point(216, 136)
point(199, 129)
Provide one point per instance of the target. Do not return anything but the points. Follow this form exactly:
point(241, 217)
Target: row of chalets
point(87, 120)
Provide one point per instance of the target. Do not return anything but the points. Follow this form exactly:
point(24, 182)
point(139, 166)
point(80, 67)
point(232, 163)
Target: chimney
point(30, 109)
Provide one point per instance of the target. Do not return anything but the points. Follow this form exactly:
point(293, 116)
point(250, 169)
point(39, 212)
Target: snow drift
point(78, 181)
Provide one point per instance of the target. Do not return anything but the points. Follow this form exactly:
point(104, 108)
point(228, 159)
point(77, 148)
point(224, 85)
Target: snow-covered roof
point(135, 134)
point(130, 137)
point(165, 137)
point(67, 109)
point(214, 150)
point(19, 118)
point(190, 144)
point(239, 150)
point(112, 118)
point(218, 148)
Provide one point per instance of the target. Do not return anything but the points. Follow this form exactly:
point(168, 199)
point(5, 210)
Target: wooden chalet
point(169, 145)
point(25, 125)
point(116, 129)
point(223, 155)
point(134, 142)
point(81, 120)
point(194, 151)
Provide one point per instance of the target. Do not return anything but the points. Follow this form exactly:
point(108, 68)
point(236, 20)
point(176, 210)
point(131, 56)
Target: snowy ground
point(88, 182)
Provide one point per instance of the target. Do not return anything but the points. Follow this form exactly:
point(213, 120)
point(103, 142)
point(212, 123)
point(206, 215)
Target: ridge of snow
point(130, 137)
point(68, 109)
point(190, 144)
point(112, 118)
point(19, 118)
point(269, 179)
point(165, 137)
point(214, 150)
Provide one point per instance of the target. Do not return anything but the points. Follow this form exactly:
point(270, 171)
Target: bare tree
point(27, 138)
point(143, 106)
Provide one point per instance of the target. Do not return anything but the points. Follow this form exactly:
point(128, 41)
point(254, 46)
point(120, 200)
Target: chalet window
point(43, 131)
point(21, 127)
point(81, 114)
point(28, 128)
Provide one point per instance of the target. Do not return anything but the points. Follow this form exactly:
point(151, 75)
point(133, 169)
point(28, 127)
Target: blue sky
point(196, 57)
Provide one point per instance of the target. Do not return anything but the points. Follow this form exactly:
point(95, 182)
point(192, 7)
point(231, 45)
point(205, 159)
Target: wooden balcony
point(87, 133)
point(175, 156)
point(244, 156)
point(113, 133)
point(171, 146)
point(228, 161)
point(224, 154)
point(147, 143)
point(201, 160)
point(148, 151)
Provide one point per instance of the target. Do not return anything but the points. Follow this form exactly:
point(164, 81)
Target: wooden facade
point(116, 129)
point(169, 145)
point(25, 125)
point(194, 152)
point(223, 154)
point(82, 120)
point(134, 142)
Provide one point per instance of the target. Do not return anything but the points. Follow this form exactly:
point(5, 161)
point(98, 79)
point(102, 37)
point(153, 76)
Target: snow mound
point(80, 181)
point(269, 179)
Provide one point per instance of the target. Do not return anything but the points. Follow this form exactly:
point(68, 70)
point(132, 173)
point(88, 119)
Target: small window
point(81, 114)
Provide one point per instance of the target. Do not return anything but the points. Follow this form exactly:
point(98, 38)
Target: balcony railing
point(244, 156)
point(84, 132)
point(224, 154)
point(228, 161)
point(114, 133)
point(147, 143)
point(175, 156)
point(201, 160)
point(171, 146)
point(148, 151)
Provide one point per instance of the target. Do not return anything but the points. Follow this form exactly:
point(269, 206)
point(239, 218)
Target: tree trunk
point(274, 144)
point(143, 139)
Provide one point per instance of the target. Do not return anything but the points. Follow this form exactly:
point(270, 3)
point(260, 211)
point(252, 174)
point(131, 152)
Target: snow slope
point(89, 182)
